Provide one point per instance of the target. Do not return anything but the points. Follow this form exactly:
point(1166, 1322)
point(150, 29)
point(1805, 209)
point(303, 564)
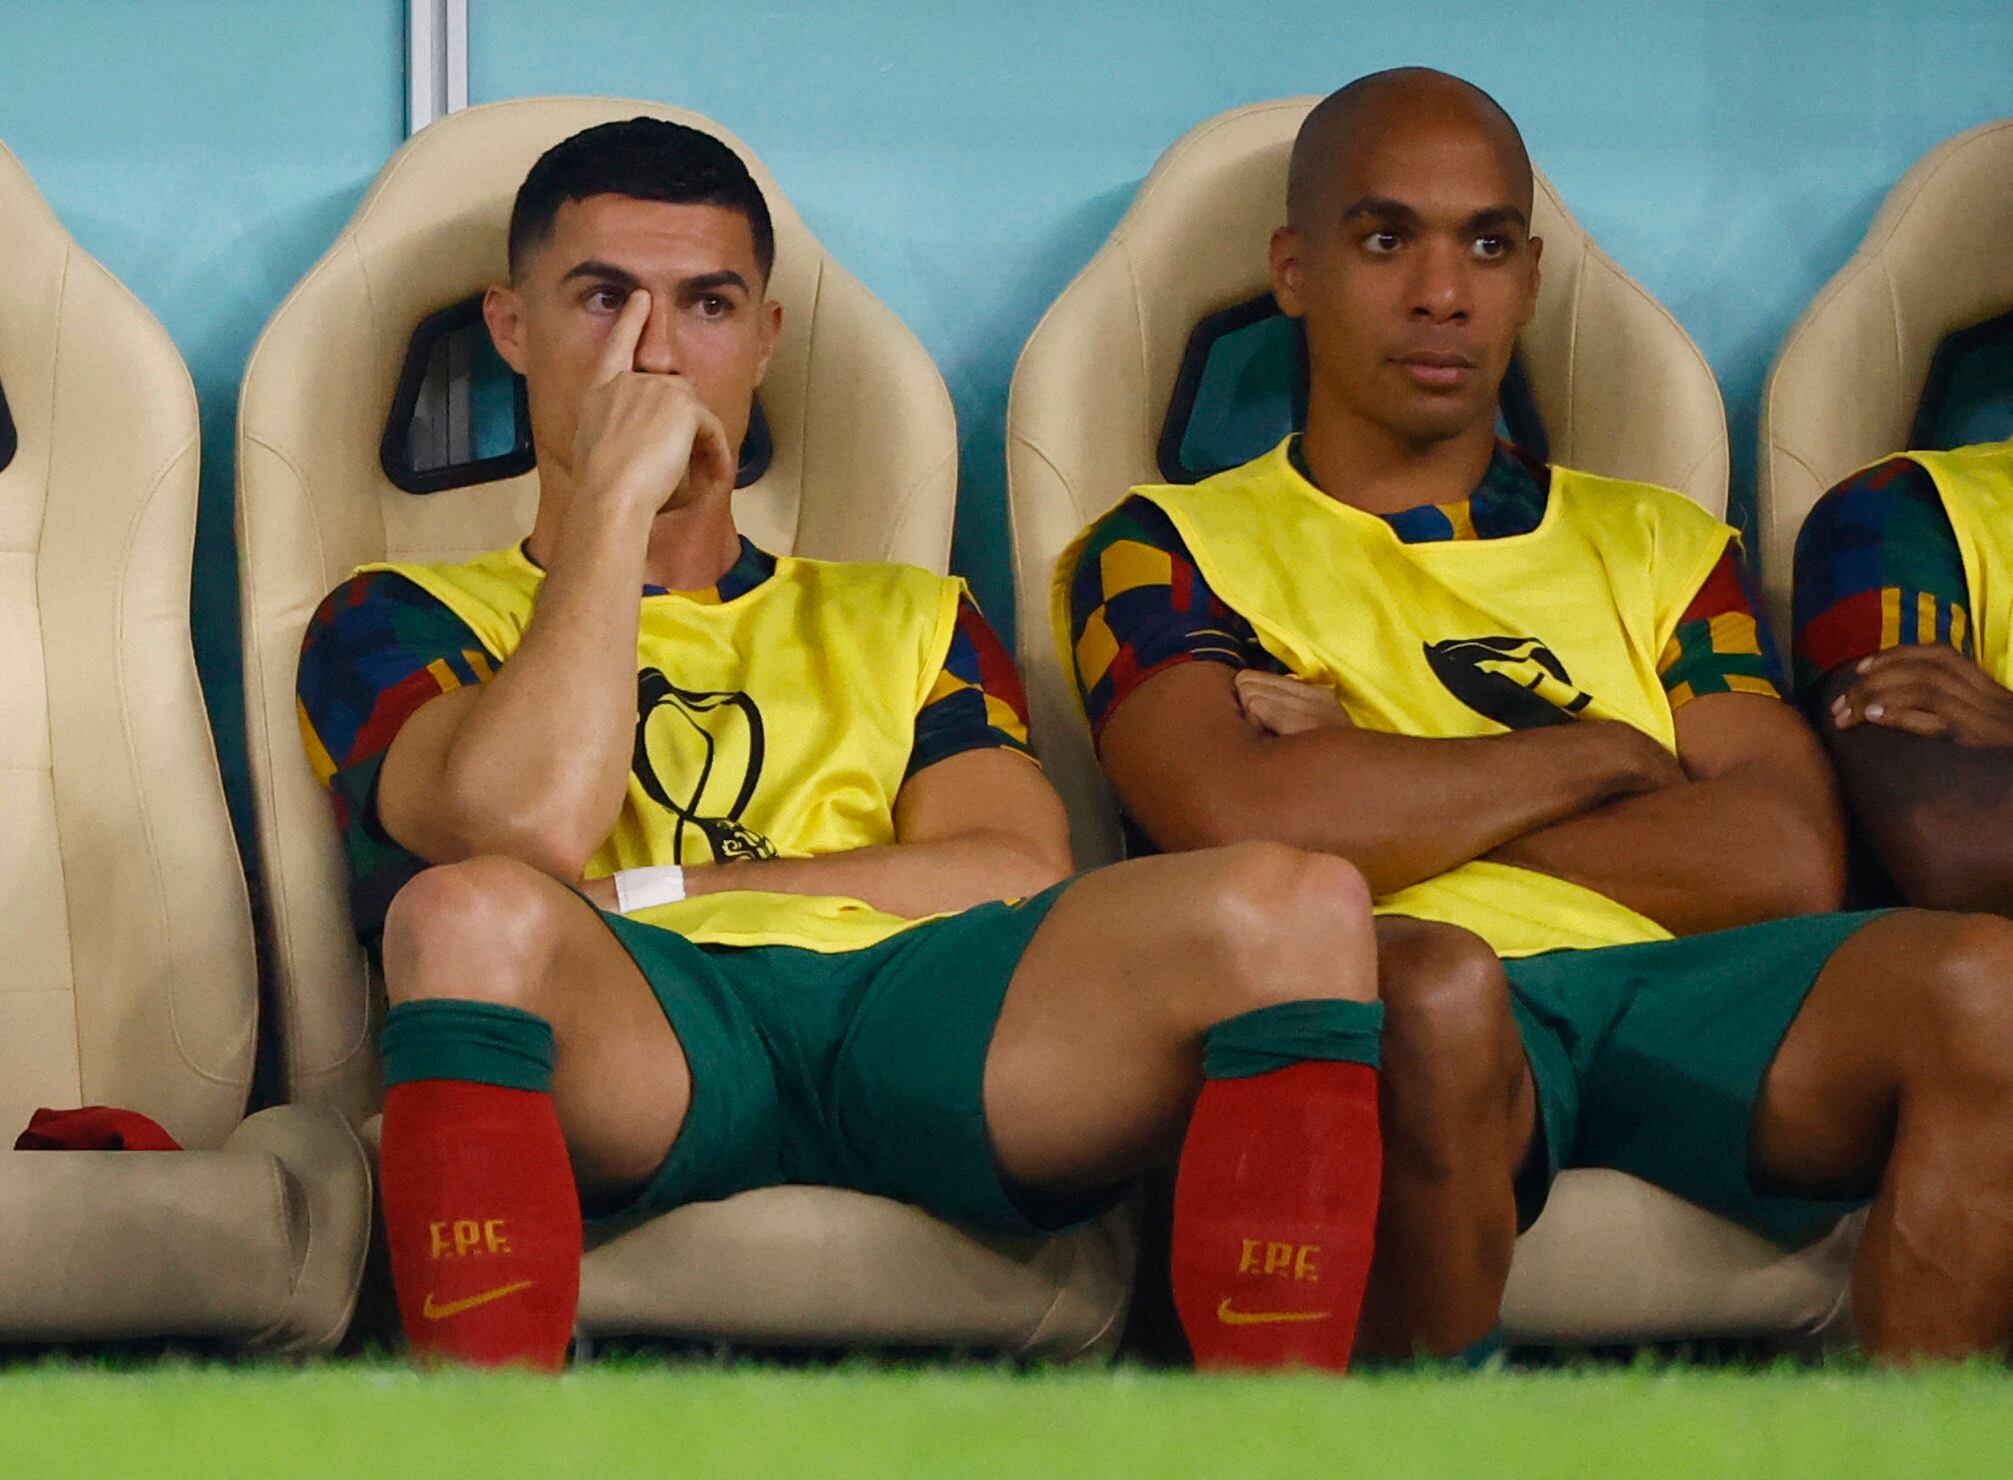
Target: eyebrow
point(596, 270)
point(1383, 208)
point(605, 272)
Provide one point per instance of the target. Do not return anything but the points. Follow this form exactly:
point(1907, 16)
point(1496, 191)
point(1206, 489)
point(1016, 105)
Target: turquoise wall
point(206, 151)
point(965, 160)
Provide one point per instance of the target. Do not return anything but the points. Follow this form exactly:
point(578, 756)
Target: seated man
point(829, 939)
point(1536, 704)
point(1905, 657)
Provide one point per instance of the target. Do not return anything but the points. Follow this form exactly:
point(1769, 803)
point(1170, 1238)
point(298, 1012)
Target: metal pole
point(436, 60)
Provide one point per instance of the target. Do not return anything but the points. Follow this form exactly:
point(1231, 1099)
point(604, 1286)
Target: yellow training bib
point(1455, 638)
point(1977, 488)
point(775, 725)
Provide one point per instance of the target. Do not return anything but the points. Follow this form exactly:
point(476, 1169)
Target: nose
point(1440, 283)
point(657, 346)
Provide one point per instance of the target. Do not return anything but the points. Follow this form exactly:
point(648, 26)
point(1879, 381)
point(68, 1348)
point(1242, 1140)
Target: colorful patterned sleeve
point(375, 650)
point(1877, 567)
point(1138, 606)
point(977, 702)
point(1721, 645)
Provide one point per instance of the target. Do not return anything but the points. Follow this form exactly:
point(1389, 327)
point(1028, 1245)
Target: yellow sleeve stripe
point(443, 675)
point(1127, 565)
point(1095, 650)
point(1000, 715)
point(1681, 696)
point(1747, 683)
point(1890, 618)
point(1958, 626)
point(479, 662)
point(318, 755)
point(947, 683)
point(1734, 632)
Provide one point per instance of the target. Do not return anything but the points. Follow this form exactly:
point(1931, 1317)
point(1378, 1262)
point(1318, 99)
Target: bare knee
point(1967, 1009)
point(1441, 985)
point(482, 929)
point(1274, 924)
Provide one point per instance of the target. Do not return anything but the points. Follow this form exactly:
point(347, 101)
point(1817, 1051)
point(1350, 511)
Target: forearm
point(1400, 808)
point(1939, 815)
point(541, 760)
point(910, 880)
point(1705, 855)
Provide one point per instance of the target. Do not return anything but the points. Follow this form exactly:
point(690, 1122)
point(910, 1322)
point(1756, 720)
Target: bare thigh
point(1096, 1060)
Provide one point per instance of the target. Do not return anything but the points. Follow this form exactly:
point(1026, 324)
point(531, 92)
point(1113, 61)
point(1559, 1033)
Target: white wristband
point(643, 888)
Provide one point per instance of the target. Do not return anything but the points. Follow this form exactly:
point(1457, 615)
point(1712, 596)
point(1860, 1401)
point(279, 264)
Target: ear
point(769, 328)
point(1535, 279)
point(1287, 245)
point(503, 312)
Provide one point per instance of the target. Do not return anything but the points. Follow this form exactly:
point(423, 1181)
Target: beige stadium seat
point(1848, 383)
point(1620, 390)
point(124, 925)
point(864, 467)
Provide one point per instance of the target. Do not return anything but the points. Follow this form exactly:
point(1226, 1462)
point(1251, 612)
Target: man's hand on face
point(1278, 705)
point(1930, 690)
point(647, 437)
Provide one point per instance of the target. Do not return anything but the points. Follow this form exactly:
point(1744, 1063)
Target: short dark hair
point(649, 159)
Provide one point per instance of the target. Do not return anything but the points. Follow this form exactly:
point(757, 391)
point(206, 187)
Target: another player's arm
point(1753, 834)
point(1921, 735)
point(1923, 741)
point(977, 826)
point(1199, 766)
point(534, 764)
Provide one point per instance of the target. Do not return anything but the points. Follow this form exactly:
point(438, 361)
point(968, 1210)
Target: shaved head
point(1407, 254)
point(1371, 110)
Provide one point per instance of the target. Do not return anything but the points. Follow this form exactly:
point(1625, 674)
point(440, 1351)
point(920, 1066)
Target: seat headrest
point(1857, 376)
point(1193, 244)
point(431, 232)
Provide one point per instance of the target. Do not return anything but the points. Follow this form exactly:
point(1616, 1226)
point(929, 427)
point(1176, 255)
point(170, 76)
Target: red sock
point(1275, 1213)
point(483, 1223)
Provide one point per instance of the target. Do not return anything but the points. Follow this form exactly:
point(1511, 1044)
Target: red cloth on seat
point(93, 1128)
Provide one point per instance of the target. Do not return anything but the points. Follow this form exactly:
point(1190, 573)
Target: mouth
point(1436, 369)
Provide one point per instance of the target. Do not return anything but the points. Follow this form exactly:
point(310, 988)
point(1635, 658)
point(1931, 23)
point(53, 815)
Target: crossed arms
point(1741, 825)
point(1923, 741)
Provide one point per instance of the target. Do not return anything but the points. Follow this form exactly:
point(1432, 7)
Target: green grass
point(689, 1421)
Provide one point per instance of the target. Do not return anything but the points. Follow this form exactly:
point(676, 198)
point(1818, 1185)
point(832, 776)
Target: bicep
point(1718, 733)
point(1937, 813)
point(1175, 750)
point(410, 786)
point(999, 793)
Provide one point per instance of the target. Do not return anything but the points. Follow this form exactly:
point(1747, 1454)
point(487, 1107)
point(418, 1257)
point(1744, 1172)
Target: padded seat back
point(850, 393)
point(129, 976)
point(1617, 385)
point(1848, 385)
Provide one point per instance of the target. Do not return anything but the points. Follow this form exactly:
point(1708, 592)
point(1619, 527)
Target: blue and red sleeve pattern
point(1138, 606)
point(977, 702)
point(376, 650)
point(1877, 567)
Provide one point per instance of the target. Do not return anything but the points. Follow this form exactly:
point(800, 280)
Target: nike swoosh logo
point(455, 1307)
point(1231, 1317)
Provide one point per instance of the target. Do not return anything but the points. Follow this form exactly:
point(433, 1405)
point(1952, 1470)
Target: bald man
point(1535, 709)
